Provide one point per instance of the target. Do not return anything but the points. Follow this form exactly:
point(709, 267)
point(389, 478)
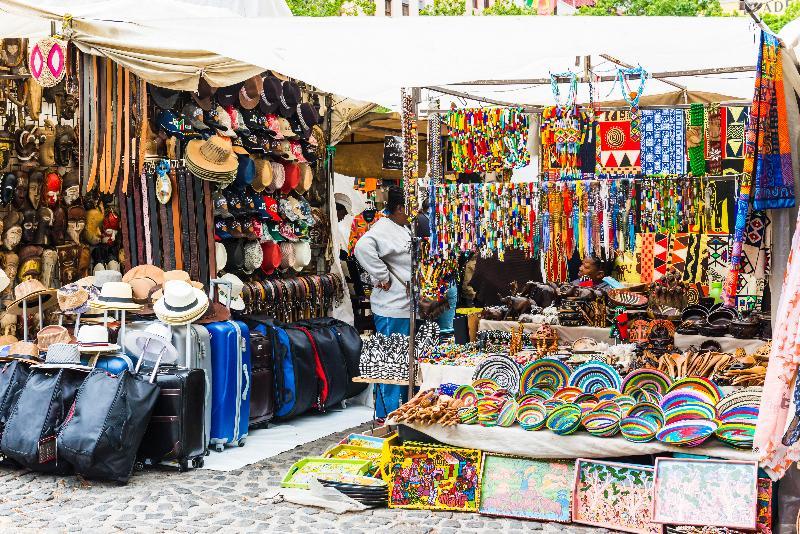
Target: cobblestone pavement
point(163, 500)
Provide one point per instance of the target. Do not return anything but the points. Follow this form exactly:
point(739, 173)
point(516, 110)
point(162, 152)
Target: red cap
point(292, 171)
point(272, 208)
point(272, 257)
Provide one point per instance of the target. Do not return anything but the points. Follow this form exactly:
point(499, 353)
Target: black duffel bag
point(106, 424)
point(349, 348)
point(29, 437)
point(13, 376)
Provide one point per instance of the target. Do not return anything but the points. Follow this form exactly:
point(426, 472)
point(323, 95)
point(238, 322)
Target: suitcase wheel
point(198, 462)
point(184, 466)
point(219, 447)
point(241, 442)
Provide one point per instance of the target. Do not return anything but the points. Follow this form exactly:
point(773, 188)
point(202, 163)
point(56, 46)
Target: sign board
point(393, 153)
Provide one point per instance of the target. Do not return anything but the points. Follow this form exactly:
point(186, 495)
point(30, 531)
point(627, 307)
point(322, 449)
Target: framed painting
point(720, 493)
point(434, 478)
point(526, 489)
point(614, 495)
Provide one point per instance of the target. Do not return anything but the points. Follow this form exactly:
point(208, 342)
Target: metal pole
point(411, 284)
point(41, 313)
point(24, 320)
point(121, 336)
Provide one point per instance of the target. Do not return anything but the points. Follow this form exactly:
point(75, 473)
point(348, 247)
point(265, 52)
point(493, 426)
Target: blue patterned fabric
point(663, 141)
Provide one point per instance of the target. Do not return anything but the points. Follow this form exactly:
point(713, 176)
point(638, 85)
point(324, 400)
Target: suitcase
point(175, 431)
point(262, 391)
point(199, 358)
point(230, 386)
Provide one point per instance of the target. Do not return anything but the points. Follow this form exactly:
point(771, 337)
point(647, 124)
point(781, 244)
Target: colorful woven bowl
point(625, 403)
point(648, 410)
point(689, 433)
point(601, 423)
point(552, 404)
point(485, 386)
point(690, 411)
point(638, 429)
point(607, 394)
point(508, 413)
point(489, 410)
point(466, 394)
point(739, 435)
point(532, 415)
point(568, 394)
point(565, 419)
point(468, 415)
point(539, 393)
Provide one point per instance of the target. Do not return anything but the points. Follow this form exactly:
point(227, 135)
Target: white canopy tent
point(171, 43)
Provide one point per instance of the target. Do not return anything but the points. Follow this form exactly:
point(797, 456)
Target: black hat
point(271, 95)
point(254, 120)
point(309, 151)
point(163, 97)
point(228, 96)
point(211, 118)
point(253, 144)
point(306, 118)
point(290, 98)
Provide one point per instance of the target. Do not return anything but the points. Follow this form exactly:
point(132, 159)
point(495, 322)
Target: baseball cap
point(221, 230)
point(193, 115)
point(170, 123)
point(254, 120)
point(271, 205)
point(220, 205)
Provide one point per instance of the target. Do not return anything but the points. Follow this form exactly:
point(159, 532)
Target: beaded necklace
point(632, 97)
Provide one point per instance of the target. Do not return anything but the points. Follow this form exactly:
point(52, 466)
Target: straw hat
point(101, 277)
point(181, 303)
point(306, 178)
point(52, 334)
point(24, 351)
point(30, 291)
point(63, 356)
point(302, 255)
point(94, 338)
point(74, 299)
point(221, 256)
point(151, 342)
point(235, 294)
point(212, 158)
point(264, 175)
point(115, 296)
point(145, 271)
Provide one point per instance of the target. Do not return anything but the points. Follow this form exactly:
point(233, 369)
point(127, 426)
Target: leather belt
point(138, 214)
point(126, 161)
point(105, 175)
point(120, 129)
point(184, 221)
point(142, 144)
point(212, 250)
point(155, 233)
point(200, 230)
point(168, 244)
point(93, 125)
point(176, 220)
point(194, 264)
point(148, 251)
point(131, 230)
point(124, 231)
point(85, 107)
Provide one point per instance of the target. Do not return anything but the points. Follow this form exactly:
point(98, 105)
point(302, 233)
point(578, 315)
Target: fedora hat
point(101, 277)
point(216, 313)
point(115, 296)
point(250, 93)
point(152, 342)
point(52, 334)
point(25, 351)
point(181, 303)
point(63, 356)
point(145, 271)
point(307, 117)
point(290, 97)
point(204, 95)
point(271, 91)
point(29, 292)
point(213, 157)
point(234, 295)
point(163, 97)
point(94, 338)
point(229, 95)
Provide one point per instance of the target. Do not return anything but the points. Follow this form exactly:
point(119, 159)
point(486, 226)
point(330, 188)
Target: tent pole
point(412, 283)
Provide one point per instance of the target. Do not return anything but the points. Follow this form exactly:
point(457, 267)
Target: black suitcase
point(175, 431)
point(262, 382)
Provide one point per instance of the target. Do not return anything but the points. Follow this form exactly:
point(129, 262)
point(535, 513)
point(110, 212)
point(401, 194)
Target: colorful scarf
point(663, 142)
point(767, 154)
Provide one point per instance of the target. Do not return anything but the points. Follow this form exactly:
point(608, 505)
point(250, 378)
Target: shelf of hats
point(643, 350)
point(183, 238)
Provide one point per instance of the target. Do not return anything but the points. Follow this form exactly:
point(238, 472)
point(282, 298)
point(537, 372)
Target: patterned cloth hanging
point(488, 139)
point(663, 141)
point(617, 151)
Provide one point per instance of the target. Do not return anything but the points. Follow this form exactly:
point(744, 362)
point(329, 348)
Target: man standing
point(385, 253)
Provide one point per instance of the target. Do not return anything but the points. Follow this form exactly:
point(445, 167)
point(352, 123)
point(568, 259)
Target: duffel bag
point(350, 345)
point(13, 376)
point(106, 424)
point(326, 350)
point(29, 437)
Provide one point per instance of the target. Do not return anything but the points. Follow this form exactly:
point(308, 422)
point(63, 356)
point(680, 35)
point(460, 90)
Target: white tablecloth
point(568, 334)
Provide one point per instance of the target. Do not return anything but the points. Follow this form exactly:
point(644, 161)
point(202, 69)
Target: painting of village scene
point(434, 478)
point(615, 496)
point(719, 493)
point(526, 489)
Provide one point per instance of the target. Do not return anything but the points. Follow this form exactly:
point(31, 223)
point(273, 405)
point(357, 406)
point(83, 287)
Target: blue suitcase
point(230, 385)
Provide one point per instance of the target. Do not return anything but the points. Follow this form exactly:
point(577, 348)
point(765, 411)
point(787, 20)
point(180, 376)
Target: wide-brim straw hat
point(29, 291)
point(213, 156)
point(145, 271)
point(94, 338)
point(25, 351)
point(115, 296)
point(181, 303)
point(74, 299)
point(52, 334)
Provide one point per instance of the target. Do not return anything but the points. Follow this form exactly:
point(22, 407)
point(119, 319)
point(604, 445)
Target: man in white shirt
point(385, 253)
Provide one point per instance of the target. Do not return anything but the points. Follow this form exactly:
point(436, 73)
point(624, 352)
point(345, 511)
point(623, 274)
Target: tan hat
point(214, 155)
point(30, 291)
point(73, 298)
point(25, 351)
point(264, 175)
point(52, 334)
point(286, 129)
point(115, 296)
point(145, 271)
point(306, 178)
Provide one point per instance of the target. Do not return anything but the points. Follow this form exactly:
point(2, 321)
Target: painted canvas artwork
point(427, 478)
point(614, 495)
point(526, 489)
point(705, 492)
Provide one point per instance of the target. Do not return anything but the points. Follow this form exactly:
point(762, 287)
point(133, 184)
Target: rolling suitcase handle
point(214, 283)
point(155, 366)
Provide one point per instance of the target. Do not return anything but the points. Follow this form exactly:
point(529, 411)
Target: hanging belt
point(120, 129)
point(184, 221)
point(176, 220)
point(154, 234)
point(108, 122)
point(209, 222)
point(142, 145)
point(126, 162)
point(168, 243)
point(148, 251)
point(85, 107)
point(200, 229)
point(93, 125)
point(131, 229)
point(194, 264)
point(123, 221)
point(137, 223)
point(111, 123)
